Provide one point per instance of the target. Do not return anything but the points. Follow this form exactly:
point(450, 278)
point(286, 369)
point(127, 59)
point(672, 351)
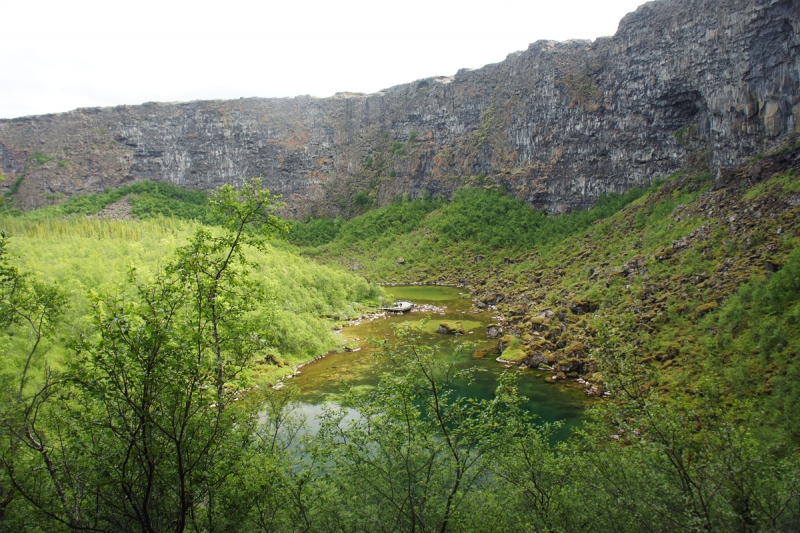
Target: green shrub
point(398, 148)
point(313, 231)
point(400, 217)
point(756, 335)
point(15, 186)
point(41, 158)
point(497, 220)
point(362, 201)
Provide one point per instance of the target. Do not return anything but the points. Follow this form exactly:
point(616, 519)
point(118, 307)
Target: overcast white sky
point(57, 55)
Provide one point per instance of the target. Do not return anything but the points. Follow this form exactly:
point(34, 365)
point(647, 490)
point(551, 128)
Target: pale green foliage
point(29, 312)
point(144, 431)
point(84, 254)
point(213, 269)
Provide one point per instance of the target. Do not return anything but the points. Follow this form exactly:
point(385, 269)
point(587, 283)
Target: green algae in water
point(427, 294)
point(322, 381)
point(431, 325)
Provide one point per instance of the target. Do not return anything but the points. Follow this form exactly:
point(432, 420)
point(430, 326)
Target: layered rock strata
point(681, 83)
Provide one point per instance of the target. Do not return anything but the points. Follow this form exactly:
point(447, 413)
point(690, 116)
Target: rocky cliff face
point(683, 82)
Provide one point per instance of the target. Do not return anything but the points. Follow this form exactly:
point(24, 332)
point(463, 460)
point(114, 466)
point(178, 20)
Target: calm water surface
point(321, 382)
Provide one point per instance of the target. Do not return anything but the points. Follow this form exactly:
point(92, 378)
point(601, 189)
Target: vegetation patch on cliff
point(148, 199)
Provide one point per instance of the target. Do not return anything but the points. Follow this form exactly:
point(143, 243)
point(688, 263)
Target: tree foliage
point(137, 428)
point(412, 453)
point(149, 428)
point(487, 218)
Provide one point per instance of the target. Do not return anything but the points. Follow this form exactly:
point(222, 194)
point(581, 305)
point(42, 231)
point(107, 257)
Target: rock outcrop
point(450, 328)
point(682, 83)
point(659, 301)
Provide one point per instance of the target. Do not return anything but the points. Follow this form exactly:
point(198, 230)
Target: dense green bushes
point(313, 231)
point(485, 218)
point(496, 220)
point(82, 254)
point(148, 199)
point(397, 218)
point(432, 235)
point(755, 343)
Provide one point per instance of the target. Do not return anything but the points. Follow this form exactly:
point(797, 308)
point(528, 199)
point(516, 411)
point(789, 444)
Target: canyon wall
point(702, 83)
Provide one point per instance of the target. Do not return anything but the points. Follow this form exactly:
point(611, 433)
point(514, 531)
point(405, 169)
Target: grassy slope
point(437, 239)
point(682, 269)
point(82, 254)
point(675, 264)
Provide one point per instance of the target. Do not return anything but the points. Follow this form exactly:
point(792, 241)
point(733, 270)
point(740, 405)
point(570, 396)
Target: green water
point(321, 382)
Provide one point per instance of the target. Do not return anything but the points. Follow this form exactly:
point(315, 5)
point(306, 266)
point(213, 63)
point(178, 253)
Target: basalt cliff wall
point(681, 83)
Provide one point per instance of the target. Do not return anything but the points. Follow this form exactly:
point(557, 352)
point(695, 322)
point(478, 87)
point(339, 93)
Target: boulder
point(724, 177)
point(494, 331)
point(535, 360)
point(772, 267)
point(580, 307)
point(450, 328)
point(400, 261)
point(504, 342)
point(492, 298)
point(570, 365)
point(540, 323)
point(597, 390)
point(574, 349)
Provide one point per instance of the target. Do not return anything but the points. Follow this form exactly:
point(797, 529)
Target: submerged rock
point(480, 353)
point(450, 328)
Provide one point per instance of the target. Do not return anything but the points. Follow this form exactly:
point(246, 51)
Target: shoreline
point(368, 316)
point(372, 315)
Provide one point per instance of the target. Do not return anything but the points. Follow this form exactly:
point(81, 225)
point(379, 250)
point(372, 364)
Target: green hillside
point(302, 299)
point(677, 307)
point(693, 274)
point(145, 199)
